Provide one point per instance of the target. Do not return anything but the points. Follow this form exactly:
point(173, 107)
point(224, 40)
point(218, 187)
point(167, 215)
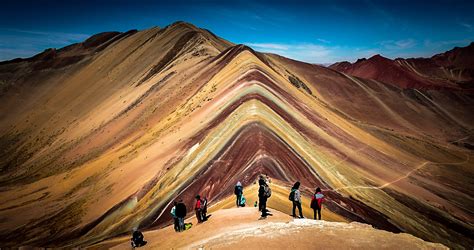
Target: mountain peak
point(360, 60)
point(378, 57)
point(182, 24)
point(243, 47)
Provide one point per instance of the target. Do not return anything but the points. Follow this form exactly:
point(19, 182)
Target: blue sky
point(313, 31)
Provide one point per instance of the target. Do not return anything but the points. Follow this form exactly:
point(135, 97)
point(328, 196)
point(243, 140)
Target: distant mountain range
point(453, 69)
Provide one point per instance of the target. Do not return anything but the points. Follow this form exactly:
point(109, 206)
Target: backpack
point(204, 204)
point(320, 198)
point(314, 202)
point(242, 201)
point(291, 197)
point(317, 200)
point(267, 191)
point(173, 211)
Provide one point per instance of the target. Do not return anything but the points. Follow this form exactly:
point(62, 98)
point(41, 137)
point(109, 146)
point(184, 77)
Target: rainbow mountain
point(102, 136)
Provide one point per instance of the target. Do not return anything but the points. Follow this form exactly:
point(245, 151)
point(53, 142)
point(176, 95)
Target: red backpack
point(316, 202)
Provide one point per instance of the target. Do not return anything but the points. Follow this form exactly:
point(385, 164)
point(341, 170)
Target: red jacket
point(198, 205)
point(319, 196)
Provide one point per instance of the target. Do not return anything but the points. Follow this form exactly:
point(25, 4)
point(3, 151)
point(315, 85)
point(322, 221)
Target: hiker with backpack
point(180, 214)
point(260, 178)
point(175, 218)
point(204, 209)
point(295, 197)
point(238, 191)
point(316, 203)
point(264, 192)
point(198, 209)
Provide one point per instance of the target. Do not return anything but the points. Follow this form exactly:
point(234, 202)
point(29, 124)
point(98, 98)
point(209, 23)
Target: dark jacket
point(238, 190)
point(261, 190)
point(137, 236)
point(180, 210)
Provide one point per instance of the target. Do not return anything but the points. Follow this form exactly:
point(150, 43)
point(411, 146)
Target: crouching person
point(137, 239)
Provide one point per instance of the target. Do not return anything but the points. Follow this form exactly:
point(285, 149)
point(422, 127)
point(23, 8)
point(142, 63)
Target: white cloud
point(323, 40)
point(398, 44)
point(445, 43)
point(7, 53)
point(327, 53)
point(267, 46)
point(46, 36)
point(307, 52)
point(323, 53)
point(26, 43)
point(331, 53)
point(314, 53)
point(466, 25)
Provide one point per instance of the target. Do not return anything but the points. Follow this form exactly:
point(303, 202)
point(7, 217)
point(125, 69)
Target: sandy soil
point(240, 228)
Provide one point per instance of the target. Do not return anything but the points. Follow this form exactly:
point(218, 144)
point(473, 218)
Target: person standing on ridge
point(198, 209)
point(260, 178)
point(295, 197)
point(180, 214)
point(264, 192)
point(175, 218)
point(238, 191)
point(317, 202)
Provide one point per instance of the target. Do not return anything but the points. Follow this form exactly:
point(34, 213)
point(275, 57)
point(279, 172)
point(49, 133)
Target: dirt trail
point(426, 163)
point(240, 228)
